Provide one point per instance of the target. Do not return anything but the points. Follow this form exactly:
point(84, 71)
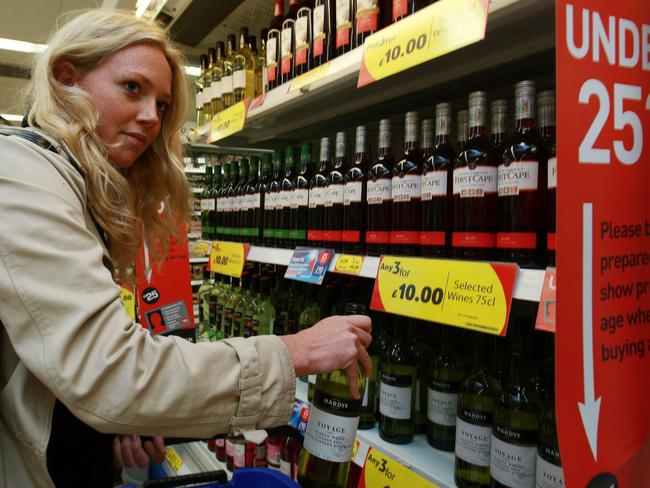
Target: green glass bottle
point(398, 385)
point(241, 222)
point(204, 306)
point(273, 203)
point(368, 405)
point(231, 303)
point(331, 429)
point(309, 315)
point(516, 422)
point(423, 351)
point(220, 296)
point(214, 315)
point(214, 194)
point(476, 399)
point(251, 307)
point(207, 204)
point(383, 339)
point(300, 198)
point(222, 202)
point(253, 203)
point(286, 193)
point(242, 304)
point(264, 317)
point(262, 188)
point(445, 374)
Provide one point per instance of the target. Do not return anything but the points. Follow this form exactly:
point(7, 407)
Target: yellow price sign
point(228, 258)
point(310, 77)
point(381, 470)
point(471, 295)
point(229, 121)
point(201, 248)
point(173, 459)
point(128, 300)
point(436, 30)
point(349, 264)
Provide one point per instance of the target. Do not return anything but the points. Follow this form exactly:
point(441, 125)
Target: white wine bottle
point(331, 428)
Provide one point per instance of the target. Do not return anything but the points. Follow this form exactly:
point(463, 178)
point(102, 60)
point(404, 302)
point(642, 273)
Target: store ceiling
point(197, 25)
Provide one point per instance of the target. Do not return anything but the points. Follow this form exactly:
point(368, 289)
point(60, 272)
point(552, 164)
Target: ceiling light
point(22, 46)
point(12, 117)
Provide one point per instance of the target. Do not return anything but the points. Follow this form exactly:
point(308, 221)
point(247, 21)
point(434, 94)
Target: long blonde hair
point(124, 202)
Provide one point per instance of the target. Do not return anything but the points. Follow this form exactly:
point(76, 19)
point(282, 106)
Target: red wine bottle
point(379, 203)
point(498, 119)
point(273, 46)
point(318, 196)
point(334, 199)
point(354, 197)
point(546, 105)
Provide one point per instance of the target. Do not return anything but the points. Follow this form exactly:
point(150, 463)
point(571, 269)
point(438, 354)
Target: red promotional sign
point(165, 292)
point(603, 333)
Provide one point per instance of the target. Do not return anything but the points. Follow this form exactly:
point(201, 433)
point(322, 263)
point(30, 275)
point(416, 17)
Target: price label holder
point(228, 258)
point(128, 300)
point(312, 76)
point(436, 30)
point(471, 295)
point(175, 461)
point(547, 303)
point(309, 265)
point(348, 264)
point(300, 415)
point(381, 470)
point(200, 248)
point(229, 121)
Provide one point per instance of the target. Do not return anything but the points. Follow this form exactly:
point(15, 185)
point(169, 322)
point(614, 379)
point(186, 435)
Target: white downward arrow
point(590, 409)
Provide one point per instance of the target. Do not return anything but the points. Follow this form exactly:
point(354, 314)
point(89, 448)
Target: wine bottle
point(213, 216)
point(475, 189)
point(344, 26)
point(522, 187)
point(516, 421)
point(233, 215)
point(207, 86)
point(446, 372)
point(288, 43)
point(207, 204)
point(243, 69)
point(300, 198)
point(218, 297)
point(241, 305)
point(264, 315)
point(324, 25)
point(249, 329)
point(303, 57)
point(546, 104)
point(204, 306)
point(366, 15)
point(498, 119)
point(354, 197)
point(262, 188)
point(318, 196)
point(331, 428)
point(398, 378)
point(231, 303)
point(272, 203)
point(369, 398)
point(222, 202)
point(379, 204)
point(283, 209)
point(476, 399)
point(227, 86)
point(436, 188)
point(407, 178)
point(273, 40)
point(216, 102)
point(462, 129)
point(404, 8)
point(421, 344)
point(334, 198)
point(242, 222)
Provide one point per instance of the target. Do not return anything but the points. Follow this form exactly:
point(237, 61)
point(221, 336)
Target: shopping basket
point(241, 478)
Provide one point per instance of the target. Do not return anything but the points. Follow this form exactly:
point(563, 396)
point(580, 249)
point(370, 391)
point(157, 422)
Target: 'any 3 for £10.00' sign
point(470, 295)
point(228, 258)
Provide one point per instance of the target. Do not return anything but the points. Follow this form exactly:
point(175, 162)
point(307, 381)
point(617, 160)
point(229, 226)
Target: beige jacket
point(65, 334)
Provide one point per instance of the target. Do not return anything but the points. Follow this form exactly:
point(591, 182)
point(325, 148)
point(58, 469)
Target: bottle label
point(285, 199)
point(300, 198)
point(207, 204)
point(272, 51)
point(475, 183)
point(256, 200)
point(227, 83)
point(343, 23)
point(442, 407)
point(432, 238)
point(517, 177)
point(334, 195)
point(511, 464)
point(379, 191)
point(218, 89)
point(378, 237)
point(268, 201)
point(273, 452)
point(473, 239)
point(473, 442)
point(319, 30)
point(434, 184)
point(285, 50)
point(406, 188)
point(548, 475)
point(239, 79)
point(552, 173)
point(285, 467)
point(367, 16)
point(400, 8)
point(524, 107)
point(516, 240)
point(395, 396)
point(330, 437)
point(317, 196)
point(239, 455)
point(302, 42)
point(352, 192)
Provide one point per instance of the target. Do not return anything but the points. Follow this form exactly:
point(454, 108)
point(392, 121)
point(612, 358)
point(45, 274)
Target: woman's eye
point(131, 86)
point(163, 106)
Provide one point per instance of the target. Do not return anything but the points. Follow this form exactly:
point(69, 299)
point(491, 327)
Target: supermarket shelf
point(528, 285)
point(198, 260)
point(419, 456)
point(214, 149)
point(317, 109)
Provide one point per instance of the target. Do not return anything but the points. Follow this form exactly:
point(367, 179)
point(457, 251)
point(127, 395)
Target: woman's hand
point(128, 451)
point(337, 342)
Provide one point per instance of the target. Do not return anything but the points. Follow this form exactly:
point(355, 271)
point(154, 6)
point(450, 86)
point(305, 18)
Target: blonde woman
point(79, 192)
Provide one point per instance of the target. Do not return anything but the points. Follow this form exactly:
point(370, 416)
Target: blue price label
point(309, 265)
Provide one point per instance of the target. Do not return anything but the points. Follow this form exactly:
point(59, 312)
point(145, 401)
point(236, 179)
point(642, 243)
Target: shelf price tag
point(312, 76)
point(228, 258)
point(547, 303)
point(200, 248)
point(128, 300)
point(229, 121)
point(173, 459)
point(436, 30)
point(348, 264)
point(381, 470)
point(309, 265)
point(471, 295)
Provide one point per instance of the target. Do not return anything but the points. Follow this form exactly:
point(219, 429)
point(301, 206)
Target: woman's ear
point(66, 73)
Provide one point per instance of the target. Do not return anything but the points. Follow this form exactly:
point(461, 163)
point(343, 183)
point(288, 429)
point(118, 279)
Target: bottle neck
point(278, 9)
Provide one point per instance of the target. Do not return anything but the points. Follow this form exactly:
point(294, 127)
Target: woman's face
point(131, 90)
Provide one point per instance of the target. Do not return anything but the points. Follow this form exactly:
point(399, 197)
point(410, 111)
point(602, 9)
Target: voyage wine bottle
point(436, 188)
point(318, 196)
point(334, 200)
point(331, 429)
point(475, 189)
point(407, 178)
point(546, 105)
point(354, 197)
point(522, 187)
point(379, 208)
point(398, 372)
point(476, 399)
